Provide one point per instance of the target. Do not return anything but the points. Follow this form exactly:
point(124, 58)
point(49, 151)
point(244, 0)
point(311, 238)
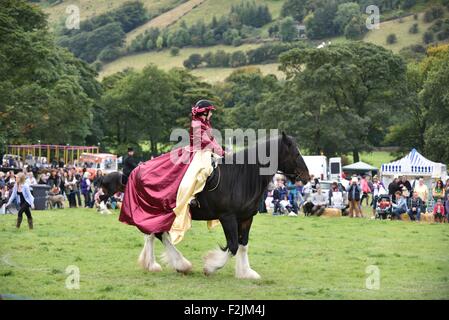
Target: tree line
point(267, 53)
point(229, 29)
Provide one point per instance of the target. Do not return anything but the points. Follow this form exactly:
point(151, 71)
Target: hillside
point(218, 8)
point(192, 11)
point(166, 19)
point(91, 8)
point(400, 27)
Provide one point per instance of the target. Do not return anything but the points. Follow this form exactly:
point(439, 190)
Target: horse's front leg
point(172, 256)
point(242, 267)
point(217, 259)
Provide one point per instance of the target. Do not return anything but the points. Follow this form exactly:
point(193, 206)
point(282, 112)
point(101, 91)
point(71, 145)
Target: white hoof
point(155, 267)
point(179, 263)
point(214, 260)
point(248, 274)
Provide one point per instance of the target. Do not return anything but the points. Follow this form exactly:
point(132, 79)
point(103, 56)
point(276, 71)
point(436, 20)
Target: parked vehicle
point(323, 169)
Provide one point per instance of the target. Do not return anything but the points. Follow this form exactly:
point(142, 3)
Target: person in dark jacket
point(354, 196)
point(129, 165)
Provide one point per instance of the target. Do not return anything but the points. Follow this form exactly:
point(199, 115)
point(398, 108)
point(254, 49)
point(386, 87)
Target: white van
point(317, 166)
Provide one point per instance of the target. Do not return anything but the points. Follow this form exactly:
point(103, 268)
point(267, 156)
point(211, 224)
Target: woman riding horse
point(159, 192)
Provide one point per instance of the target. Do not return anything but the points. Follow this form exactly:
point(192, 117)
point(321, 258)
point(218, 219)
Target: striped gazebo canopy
point(412, 164)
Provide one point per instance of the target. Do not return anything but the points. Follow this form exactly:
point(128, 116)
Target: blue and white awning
point(412, 164)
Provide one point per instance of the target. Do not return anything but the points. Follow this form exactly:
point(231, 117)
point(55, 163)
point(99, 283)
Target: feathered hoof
point(248, 274)
point(155, 267)
point(184, 267)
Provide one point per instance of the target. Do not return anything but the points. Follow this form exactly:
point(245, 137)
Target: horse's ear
point(285, 139)
point(284, 136)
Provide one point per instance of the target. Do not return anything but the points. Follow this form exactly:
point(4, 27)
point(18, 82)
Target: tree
point(357, 83)
point(392, 39)
point(320, 24)
point(428, 37)
point(294, 8)
point(174, 51)
point(287, 29)
point(43, 87)
point(345, 14)
point(414, 29)
point(355, 29)
point(238, 59)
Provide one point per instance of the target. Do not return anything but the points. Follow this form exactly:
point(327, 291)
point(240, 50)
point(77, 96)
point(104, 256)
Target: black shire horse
point(111, 184)
point(231, 195)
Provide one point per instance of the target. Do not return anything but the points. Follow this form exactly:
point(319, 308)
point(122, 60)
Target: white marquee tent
point(413, 165)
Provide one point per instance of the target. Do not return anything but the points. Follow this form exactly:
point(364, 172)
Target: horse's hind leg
point(242, 267)
point(172, 256)
point(147, 258)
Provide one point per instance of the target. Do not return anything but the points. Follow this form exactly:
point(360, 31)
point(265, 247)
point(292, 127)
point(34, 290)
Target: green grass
point(164, 20)
point(376, 158)
point(218, 8)
point(298, 258)
point(164, 60)
point(91, 8)
point(405, 38)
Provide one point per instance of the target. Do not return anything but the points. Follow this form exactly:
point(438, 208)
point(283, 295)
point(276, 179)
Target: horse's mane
point(243, 183)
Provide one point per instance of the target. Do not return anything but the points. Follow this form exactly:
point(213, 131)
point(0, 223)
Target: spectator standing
point(365, 189)
point(86, 189)
point(71, 187)
point(393, 187)
point(129, 165)
point(438, 191)
point(30, 179)
point(354, 196)
point(78, 181)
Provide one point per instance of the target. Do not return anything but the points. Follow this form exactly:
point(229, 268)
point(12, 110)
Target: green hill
point(91, 8)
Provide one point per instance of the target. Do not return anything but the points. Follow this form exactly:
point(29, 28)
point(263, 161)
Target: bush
point(428, 37)
point(174, 51)
point(414, 29)
point(238, 59)
point(109, 54)
point(391, 38)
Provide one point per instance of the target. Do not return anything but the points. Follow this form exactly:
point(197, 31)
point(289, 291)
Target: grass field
point(298, 258)
point(165, 19)
point(164, 60)
point(401, 29)
point(376, 158)
point(209, 8)
point(91, 8)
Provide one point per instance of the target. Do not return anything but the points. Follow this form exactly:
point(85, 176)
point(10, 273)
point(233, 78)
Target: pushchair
point(384, 207)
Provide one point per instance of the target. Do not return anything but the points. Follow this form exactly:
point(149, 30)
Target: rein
point(219, 178)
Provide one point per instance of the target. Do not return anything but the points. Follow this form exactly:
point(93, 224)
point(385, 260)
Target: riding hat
point(202, 106)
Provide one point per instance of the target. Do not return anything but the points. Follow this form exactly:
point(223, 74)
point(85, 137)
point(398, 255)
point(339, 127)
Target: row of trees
point(264, 54)
point(229, 29)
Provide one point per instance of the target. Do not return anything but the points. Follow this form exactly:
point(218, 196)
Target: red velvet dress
point(150, 194)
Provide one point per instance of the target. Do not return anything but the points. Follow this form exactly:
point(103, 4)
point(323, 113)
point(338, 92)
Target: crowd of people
point(412, 198)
